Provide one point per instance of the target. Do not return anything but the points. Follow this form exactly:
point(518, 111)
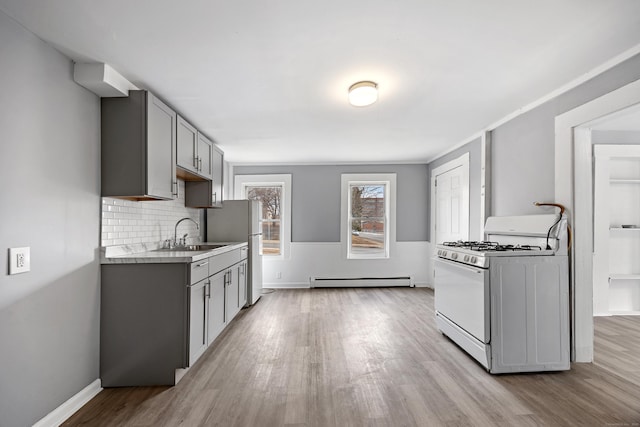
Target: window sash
point(241, 181)
point(267, 240)
point(360, 250)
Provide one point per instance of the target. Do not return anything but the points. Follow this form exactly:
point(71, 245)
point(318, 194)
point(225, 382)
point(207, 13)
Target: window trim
point(387, 179)
point(241, 182)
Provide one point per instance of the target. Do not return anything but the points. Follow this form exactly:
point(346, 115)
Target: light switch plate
point(19, 260)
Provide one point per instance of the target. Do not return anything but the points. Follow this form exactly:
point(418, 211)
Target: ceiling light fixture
point(363, 93)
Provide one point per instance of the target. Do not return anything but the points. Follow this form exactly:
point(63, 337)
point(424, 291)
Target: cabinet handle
point(195, 162)
point(202, 264)
point(214, 198)
point(200, 164)
point(175, 186)
point(207, 290)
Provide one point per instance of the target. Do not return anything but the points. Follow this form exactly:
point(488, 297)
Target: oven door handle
point(461, 266)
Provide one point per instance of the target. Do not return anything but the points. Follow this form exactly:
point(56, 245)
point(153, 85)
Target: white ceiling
point(267, 80)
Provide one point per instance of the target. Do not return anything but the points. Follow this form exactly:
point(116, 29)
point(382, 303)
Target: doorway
point(616, 231)
point(450, 201)
point(574, 189)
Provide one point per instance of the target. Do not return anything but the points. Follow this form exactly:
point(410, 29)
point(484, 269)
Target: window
point(270, 198)
point(273, 191)
point(368, 211)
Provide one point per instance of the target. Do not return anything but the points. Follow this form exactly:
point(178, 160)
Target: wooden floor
point(617, 345)
point(359, 357)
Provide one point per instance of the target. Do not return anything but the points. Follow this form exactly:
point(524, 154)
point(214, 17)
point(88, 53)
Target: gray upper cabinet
point(207, 194)
point(205, 153)
point(217, 166)
point(194, 153)
point(187, 143)
point(138, 151)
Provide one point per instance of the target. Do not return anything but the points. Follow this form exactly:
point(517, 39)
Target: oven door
point(462, 296)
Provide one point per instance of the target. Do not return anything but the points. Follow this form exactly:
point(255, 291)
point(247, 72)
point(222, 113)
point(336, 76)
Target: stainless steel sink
point(203, 247)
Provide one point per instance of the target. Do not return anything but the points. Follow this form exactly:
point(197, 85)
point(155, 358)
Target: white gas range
point(506, 300)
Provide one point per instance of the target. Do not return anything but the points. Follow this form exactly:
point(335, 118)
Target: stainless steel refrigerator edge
point(236, 221)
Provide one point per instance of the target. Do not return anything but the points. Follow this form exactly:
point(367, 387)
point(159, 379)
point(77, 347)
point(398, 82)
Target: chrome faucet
point(184, 238)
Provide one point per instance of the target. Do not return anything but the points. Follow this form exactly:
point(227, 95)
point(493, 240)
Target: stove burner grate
point(485, 246)
point(470, 244)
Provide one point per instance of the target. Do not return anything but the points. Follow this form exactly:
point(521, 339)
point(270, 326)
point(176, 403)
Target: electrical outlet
point(278, 275)
point(19, 260)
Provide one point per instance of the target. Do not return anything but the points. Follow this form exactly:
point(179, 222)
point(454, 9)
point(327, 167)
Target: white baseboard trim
point(423, 285)
point(71, 406)
point(304, 285)
point(319, 282)
point(286, 285)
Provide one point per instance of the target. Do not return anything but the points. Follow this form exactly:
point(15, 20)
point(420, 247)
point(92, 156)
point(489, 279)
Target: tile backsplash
point(125, 222)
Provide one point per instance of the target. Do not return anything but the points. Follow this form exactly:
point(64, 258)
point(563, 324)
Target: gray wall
point(615, 136)
point(475, 171)
point(315, 202)
point(523, 148)
point(49, 169)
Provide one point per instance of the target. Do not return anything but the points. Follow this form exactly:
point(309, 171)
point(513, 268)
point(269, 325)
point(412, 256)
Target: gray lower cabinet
point(143, 323)
point(198, 308)
point(237, 288)
point(156, 318)
point(242, 275)
point(138, 148)
point(217, 305)
point(233, 291)
point(227, 296)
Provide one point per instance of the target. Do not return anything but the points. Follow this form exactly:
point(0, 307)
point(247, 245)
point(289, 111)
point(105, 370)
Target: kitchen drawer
point(199, 270)
point(244, 252)
point(223, 261)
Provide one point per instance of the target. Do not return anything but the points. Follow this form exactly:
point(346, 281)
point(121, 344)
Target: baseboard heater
point(361, 282)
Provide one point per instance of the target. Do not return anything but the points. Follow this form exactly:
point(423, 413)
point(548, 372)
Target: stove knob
point(444, 253)
point(454, 256)
point(466, 258)
point(439, 251)
point(474, 259)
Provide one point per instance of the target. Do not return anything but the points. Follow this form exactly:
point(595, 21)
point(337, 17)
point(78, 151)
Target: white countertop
point(149, 253)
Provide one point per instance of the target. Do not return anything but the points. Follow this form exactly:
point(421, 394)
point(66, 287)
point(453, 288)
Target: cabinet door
point(205, 153)
point(233, 292)
point(187, 142)
point(198, 307)
point(161, 149)
point(217, 167)
point(242, 290)
point(217, 315)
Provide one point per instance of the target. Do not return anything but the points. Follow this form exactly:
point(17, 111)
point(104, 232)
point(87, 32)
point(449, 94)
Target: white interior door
point(450, 210)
